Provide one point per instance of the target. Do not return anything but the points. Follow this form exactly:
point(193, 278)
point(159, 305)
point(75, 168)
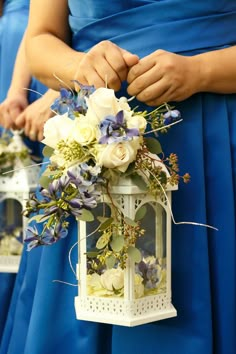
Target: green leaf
point(92, 254)
point(141, 213)
point(101, 219)
point(105, 224)
point(153, 145)
point(134, 254)
point(139, 181)
point(47, 151)
point(86, 215)
point(110, 261)
point(130, 221)
point(103, 241)
point(117, 243)
point(44, 181)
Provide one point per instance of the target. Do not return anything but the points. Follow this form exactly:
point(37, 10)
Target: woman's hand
point(11, 107)
point(163, 77)
point(105, 65)
point(32, 119)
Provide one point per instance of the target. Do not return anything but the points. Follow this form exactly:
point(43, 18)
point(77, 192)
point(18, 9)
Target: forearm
point(51, 60)
point(216, 71)
point(21, 76)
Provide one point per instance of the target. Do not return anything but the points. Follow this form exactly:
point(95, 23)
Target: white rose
point(102, 103)
point(138, 286)
point(113, 279)
point(57, 128)
point(137, 122)
point(84, 133)
point(118, 155)
point(2, 149)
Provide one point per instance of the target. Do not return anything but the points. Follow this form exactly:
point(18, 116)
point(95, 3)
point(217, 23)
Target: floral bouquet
point(12, 149)
point(94, 140)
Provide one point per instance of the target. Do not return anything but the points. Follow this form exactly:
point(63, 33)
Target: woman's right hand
point(104, 65)
point(11, 107)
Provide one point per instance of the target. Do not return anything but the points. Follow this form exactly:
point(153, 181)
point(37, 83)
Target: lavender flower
point(171, 116)
point(114, 129)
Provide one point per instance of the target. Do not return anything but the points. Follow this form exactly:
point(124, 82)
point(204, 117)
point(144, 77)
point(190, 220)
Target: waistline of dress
point(180, 35)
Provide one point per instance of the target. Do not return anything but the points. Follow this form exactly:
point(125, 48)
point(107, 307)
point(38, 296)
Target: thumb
point(20, 120)
point(129, 58)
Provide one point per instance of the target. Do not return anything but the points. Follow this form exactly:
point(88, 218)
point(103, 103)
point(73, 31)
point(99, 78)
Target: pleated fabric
point(203, 260)
point(12, 26)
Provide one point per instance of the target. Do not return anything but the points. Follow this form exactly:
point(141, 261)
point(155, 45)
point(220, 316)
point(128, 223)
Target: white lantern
point(141, 292)
point(15, 189)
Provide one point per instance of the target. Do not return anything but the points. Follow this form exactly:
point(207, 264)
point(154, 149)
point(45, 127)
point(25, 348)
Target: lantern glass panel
point(152, 245)
point(11, 226)
point(105, 275)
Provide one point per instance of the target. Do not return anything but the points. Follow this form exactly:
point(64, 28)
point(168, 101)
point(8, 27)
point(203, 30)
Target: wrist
point(202, 73)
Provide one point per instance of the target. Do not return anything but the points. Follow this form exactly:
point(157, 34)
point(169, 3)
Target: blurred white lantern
point(141, 292)
point(15, 189)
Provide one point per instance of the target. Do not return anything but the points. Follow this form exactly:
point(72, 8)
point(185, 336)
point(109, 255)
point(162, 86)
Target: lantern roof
point(23, 176)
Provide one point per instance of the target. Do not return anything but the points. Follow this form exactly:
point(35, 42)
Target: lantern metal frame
point(126, 310)
point(17, 186)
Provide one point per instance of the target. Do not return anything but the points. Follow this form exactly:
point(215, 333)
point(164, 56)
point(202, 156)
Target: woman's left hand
point(163, 77)
point(32, 119)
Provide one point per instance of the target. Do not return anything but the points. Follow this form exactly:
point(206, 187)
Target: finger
point(33, 135)
point(144, 81)
point(139, 69)
point(7, 121)
point(129, 58)
point(27, 127)
point(14, 112)
point(156, 93)
point(118, 65)
point(20, 120)
point(103, 75)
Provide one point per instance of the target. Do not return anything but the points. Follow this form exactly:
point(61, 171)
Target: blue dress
point(203, 260)
point(12, 26)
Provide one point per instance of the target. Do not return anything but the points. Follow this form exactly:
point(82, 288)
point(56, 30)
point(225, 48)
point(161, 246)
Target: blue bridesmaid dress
point(12, 26)
point(203, 260)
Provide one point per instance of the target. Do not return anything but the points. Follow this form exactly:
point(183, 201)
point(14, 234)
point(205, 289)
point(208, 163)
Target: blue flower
point(171, 116)
point(114, 129)
point(64, 103)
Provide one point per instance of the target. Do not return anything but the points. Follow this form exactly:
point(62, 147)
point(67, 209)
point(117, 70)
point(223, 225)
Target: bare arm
point(217, 70)
point(163, 76)
point(16, 100)
point(21, 76)
point(49, 52)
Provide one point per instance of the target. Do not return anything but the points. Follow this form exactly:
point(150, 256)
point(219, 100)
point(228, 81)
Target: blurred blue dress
point(203, 260)
point(12, 26)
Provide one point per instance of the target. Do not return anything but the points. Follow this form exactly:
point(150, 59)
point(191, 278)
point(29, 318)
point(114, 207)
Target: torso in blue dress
point(13, 23)
point(203, 272)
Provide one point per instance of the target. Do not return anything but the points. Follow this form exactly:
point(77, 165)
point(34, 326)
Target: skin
point(159, 77)
point(15, 110)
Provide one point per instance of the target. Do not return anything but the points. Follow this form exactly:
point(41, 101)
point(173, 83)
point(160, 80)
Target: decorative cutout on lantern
point(15, 188)
point(134, 285)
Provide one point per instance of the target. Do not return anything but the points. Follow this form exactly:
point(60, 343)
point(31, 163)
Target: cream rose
point(113, 279)
point(118, 155)
point(138, 286)
point(84, 133)
point(102, 103)
point(57, 128)
point(137, 122)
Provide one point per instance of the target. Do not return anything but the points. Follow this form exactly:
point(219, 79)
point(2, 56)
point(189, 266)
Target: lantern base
point(9, 264)
point(112, 311)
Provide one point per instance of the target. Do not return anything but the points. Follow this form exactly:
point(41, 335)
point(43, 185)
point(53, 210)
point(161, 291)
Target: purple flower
point(65, 103)
point(114, 129)
point(171, 116)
